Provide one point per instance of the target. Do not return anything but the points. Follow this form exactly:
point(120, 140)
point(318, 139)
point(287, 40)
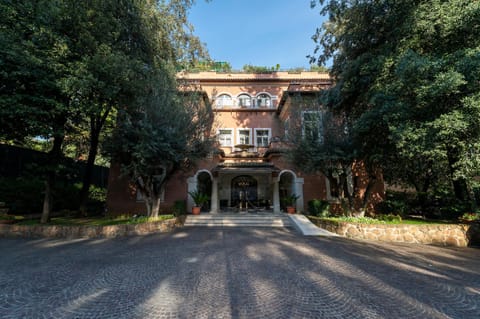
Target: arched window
point(223, 100)
point(244, 100)
point(264, 101)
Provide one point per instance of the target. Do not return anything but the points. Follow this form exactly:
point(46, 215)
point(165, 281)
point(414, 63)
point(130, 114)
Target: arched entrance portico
point(231, 188)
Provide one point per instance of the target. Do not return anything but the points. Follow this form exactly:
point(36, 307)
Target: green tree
point(69, 64)
point(321, 141)
point(163, 132)
point(34, 63)
point(260, 69)
point(318, 68)
point(208, 65)
point(406, 73)
point(114, 41)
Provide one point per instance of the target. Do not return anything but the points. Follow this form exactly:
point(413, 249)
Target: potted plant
point(290, 202)
point(199, 199)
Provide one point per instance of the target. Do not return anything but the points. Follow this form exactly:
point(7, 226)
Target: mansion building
point(250, 170)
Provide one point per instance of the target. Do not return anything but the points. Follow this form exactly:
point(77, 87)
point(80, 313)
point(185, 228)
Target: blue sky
point(257, 32)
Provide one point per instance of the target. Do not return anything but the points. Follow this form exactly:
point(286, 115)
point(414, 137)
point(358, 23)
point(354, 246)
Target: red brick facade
point(250, 171)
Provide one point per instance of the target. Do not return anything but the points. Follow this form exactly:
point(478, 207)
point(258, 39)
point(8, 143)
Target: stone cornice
point(270, 77)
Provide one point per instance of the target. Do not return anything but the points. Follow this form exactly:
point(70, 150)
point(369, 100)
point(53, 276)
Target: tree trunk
point(366, 196)
point(47, 199)
point(96, 125)
point(460, 187)
point(155, 207)
point(54, 157)
point(151, 187)
point(148, 204)
point(346, 192)
point(87, 177)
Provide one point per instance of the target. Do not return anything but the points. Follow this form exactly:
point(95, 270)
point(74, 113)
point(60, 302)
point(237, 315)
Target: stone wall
point(52, 231)
point(460, 235)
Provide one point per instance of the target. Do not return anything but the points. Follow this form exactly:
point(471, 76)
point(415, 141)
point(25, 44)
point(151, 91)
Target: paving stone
point(235, 273)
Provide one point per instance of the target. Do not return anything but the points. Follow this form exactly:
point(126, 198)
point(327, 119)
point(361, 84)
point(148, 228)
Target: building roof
point(280, 76)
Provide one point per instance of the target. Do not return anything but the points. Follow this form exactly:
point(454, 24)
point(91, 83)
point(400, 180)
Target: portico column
point(191, 187)
point(214, 199)
point(276, 197)
point(299, 193)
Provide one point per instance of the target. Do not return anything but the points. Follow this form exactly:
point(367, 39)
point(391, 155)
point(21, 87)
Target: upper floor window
point(262, 137)
point(264, 100)
point(312, 125)
point(244, 136)
point(244, 100)
point(223, 100)
point(225, 137)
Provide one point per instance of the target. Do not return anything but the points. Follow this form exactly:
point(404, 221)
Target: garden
point(401, 217)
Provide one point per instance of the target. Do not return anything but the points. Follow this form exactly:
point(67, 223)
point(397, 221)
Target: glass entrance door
point(244, 192)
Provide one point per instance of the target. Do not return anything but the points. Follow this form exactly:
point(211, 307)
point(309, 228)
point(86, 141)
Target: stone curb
point(458, 235)
point(71, 232)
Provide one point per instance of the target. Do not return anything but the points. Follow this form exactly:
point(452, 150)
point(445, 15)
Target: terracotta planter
point(196, 210)
point(291, 209)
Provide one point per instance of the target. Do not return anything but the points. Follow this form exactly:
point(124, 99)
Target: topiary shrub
point(318, 208)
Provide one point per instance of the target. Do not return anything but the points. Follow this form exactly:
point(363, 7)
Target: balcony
point(237, 108)
point(252, 153)
point(245, 101)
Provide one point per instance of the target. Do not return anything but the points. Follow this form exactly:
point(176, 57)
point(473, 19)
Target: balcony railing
point(238, 107)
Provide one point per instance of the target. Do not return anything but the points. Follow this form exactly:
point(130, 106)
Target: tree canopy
point(66, 65)
point(407, 74)
point(164, 131)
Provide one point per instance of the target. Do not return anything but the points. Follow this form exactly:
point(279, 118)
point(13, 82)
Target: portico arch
point(287, 183)
point(203, 181)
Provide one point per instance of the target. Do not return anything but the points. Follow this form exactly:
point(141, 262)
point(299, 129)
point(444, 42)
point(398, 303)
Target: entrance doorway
point(244, 191)
point(286, 186)
point(204, 185)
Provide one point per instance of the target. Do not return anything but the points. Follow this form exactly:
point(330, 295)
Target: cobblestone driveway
point(235, 273)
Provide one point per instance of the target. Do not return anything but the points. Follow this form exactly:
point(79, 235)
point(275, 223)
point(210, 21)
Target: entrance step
point(238, 220)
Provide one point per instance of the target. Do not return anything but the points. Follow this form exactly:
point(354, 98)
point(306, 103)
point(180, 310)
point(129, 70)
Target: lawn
point(97, 221)
point(10, 217)
point(368, 220)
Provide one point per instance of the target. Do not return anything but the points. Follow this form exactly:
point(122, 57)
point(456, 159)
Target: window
point(312, 125)
point(262, 137)
point(244, 136)
point(223, 100)
point(244, 100)
point(225, 137)
point(264, 101)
